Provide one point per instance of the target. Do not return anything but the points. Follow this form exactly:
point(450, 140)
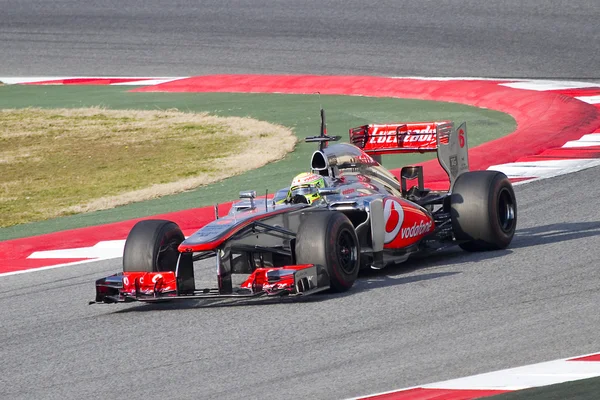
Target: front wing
point(292, 280)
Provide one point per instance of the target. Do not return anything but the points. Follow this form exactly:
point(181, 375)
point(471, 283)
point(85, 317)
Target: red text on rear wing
point(417, 137)
point(401, 137)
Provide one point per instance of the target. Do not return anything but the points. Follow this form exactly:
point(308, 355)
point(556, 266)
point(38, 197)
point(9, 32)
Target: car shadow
point(403, 273)
point(222, 303)
point(386, 280)
point(368, 279)
point(554, 233)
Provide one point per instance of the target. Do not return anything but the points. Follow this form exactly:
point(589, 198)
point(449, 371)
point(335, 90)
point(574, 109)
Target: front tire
point(483, 211)
point(151, 246)
point(329, 239)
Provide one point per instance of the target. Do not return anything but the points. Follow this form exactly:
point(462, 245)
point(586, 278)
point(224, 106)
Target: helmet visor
point(304, 190)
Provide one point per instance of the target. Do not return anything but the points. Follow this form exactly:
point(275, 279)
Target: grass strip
point(298, 112)
point(56, 162)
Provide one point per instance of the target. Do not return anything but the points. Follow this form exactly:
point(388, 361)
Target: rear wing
point(417, 137)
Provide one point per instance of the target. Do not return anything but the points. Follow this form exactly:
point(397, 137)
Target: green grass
point(87, 159)
point(300, 112)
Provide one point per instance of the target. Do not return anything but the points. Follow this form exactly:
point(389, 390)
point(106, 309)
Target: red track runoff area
point(546, 120)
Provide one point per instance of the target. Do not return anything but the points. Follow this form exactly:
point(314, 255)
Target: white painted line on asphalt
point(105, 250)
point(511, 379)
point(546, 168)
point(34, 79)
point(460, 78)
point(589, 99)
point(148, 82)
point(101, 251)
point(36, 269)
point(17, 80)
point(542, 85)
point(534, 375)
point(592, 139)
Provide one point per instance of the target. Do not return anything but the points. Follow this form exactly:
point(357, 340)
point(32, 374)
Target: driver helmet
point(305, 188)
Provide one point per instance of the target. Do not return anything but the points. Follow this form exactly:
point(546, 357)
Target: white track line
point(525, 377)
point(101, 251)
point(34, 79)
point(592, 139)
point(26, 271)
point(546, 168)
point(589, 99)
point(543, 85)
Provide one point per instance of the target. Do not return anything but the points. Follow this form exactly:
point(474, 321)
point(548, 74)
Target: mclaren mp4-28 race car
point(346, 214)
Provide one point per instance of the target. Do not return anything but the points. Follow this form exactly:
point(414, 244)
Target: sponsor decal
point(382, 130)
point(410, 133)
point(416, 230)
point(409, 137)
point(393, 215)
point(306, 178)
point(347, 192)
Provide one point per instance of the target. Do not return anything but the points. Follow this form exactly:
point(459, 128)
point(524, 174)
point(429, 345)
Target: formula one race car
point(347, 213)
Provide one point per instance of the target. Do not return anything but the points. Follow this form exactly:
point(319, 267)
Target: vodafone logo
point(393, 215)
point(417, 229)
point(387, 129)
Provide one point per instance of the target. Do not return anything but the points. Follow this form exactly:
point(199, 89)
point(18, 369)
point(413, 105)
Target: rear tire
point(151, 246)
point(483, 210)
point(329, 239)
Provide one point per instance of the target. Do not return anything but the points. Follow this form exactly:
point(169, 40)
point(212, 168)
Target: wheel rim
point(346, 252)
point(506, 211)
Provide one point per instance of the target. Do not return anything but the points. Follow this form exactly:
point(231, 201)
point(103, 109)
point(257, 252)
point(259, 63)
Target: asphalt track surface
point(452, 315)
point(448, 316)
point(513, 38)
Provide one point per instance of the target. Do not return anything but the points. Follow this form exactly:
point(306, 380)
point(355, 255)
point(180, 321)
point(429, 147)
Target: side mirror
point(248, 194)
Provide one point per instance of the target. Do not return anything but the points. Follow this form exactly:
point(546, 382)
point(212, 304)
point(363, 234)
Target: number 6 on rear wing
point(417, 137)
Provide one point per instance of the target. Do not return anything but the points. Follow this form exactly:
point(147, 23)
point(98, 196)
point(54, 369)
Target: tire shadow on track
point(404, 273)
point(223, 303)
point(361, 285)
point(554, 233)
point(417, 269)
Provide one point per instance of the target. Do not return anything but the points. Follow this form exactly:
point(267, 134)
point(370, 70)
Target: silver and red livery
point(366, 217)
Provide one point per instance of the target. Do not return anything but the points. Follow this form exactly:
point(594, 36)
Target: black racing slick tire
point(328, 239)
point(483, 211)
point(151, 246)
